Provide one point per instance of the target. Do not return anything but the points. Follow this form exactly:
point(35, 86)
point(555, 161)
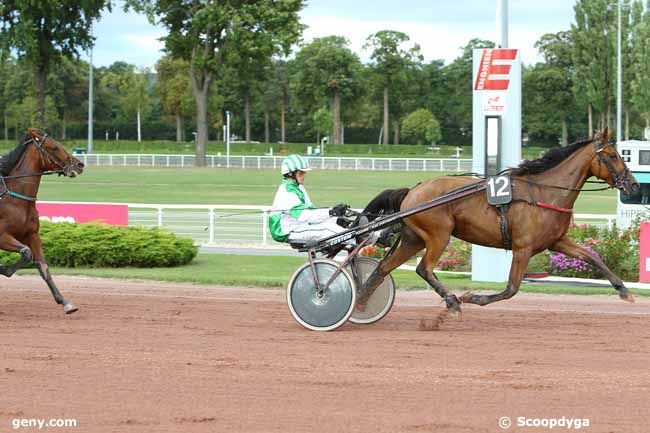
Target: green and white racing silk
point(292, 207)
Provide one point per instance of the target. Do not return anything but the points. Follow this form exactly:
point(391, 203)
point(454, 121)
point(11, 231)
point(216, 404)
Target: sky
point(440, 27)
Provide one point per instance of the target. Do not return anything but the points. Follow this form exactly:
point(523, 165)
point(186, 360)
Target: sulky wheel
point(382, 298)
point(328, 310)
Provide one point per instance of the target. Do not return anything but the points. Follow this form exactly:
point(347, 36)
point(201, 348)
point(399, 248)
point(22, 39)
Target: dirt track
point(150, 357)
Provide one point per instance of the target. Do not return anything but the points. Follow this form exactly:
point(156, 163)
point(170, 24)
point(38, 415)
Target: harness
point(502, 209)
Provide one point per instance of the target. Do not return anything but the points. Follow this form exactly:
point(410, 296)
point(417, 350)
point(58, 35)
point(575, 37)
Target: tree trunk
point(336, 117)
point(601, 121)
point(139, 129)
point(609, 118)
point(283, 104)
point(590, 114)
point(201, 83)
point(565, 133)
point(179, 128)
point(396, 133)
point(385, 114)
point(247, 116)
point(40, 74)
point(266, 125)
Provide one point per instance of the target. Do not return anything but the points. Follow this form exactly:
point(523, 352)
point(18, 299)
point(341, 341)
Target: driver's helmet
point(293, 163)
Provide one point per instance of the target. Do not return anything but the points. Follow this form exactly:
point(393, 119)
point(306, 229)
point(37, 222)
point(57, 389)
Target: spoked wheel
point(382, 298)
point(325, 311)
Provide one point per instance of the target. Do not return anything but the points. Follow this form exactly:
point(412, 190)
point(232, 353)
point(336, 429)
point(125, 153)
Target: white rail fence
point(238, 224)
point(273, 162)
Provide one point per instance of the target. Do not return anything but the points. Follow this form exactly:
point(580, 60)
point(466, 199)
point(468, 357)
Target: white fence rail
point(237, 224)
point(273, 162)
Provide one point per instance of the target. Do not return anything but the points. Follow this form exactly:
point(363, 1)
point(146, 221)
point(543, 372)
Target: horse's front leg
point(566, 246)
point(36, 245)
point(517, 269)
point(11, 244)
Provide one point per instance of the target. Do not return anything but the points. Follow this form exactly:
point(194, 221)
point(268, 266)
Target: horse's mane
point(549, 160)
point(9, 160)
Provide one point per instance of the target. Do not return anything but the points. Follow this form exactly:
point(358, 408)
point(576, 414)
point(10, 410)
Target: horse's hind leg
point(43, 269)
point(435, 247)
point(566, 246)
point(519, 262)
point(408, 246)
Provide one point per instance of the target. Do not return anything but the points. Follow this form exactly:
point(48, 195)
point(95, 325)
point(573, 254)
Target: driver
point(294, 218)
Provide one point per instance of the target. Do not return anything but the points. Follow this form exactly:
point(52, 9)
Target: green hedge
point(99, 245)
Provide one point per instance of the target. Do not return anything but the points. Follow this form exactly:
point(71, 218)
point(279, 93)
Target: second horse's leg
point(9, 243)
point(37, 248)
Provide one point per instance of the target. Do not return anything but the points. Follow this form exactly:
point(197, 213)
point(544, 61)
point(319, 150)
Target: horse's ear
point(607, 135)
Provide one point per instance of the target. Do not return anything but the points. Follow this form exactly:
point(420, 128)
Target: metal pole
point(619, 81)
point(227, 138)
point(90, 98)
point(502, 23)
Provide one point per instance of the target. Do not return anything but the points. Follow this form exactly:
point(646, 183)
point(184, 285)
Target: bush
point(100, 245)
point(456, 257)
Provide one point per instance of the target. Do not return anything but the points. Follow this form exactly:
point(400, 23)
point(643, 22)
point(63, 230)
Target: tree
point(203, 33)
point(326, 70)
point(421, 126)
point(548, 88)
point(457, 119)
point(322, 122)
point(131, 90)
point(640, 86)
point(175, 90)
point(390, 64)
point(43, 31)
point(594, 56)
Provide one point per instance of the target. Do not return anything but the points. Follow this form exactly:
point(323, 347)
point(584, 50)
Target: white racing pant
point(307, 232)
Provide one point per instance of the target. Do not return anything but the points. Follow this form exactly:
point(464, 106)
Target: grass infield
point(250, 187)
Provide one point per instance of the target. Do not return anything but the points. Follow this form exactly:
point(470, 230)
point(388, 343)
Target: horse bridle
point(619, 176)
point(65, 168)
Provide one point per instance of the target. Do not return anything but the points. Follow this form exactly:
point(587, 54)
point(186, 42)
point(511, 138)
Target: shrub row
point(100, 245)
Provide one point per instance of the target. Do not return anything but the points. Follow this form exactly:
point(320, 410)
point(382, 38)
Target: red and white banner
point(113, 214)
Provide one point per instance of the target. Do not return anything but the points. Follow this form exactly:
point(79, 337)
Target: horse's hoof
point(455, 314)
point(627, 297)
point(361, 307)
point(69, 308)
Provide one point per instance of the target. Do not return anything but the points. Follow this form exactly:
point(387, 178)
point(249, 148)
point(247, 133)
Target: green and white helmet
point(294, 163)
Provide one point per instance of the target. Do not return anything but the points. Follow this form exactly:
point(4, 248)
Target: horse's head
point(608, 165)
point(53, 154)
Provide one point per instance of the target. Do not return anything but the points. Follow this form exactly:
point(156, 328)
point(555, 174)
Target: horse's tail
point(387, 202)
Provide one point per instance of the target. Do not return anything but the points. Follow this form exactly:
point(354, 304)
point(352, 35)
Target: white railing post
point(390, 164)
point(211, 225)
point(265, 223)
point(407, 165)
point(259, 162)
point(139, 160)
point(160, 217)
point(167, 160)
point(458, 165)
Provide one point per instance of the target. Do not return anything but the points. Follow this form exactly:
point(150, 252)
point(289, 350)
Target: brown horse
point(21, 171)
point(543, 193)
